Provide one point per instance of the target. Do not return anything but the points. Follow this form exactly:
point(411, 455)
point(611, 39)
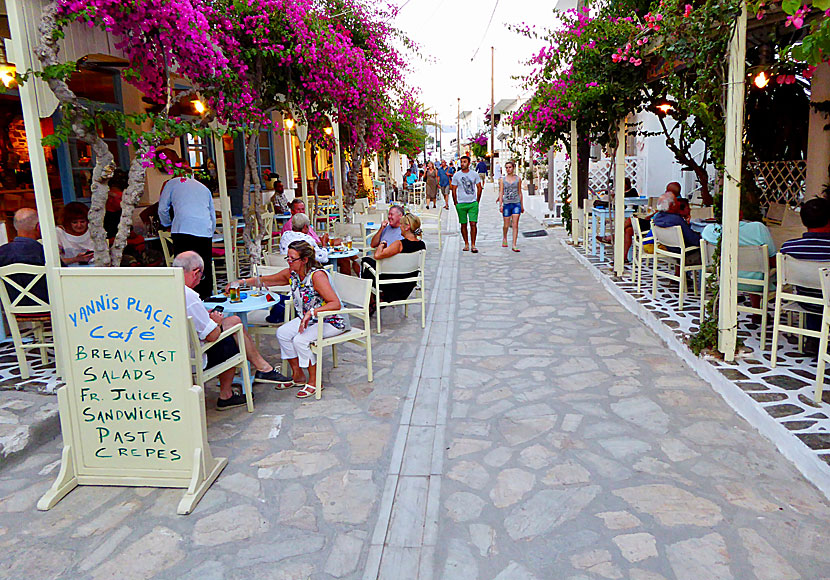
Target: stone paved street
point(535, 429)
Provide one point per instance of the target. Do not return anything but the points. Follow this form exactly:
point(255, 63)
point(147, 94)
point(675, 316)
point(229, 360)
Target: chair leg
point(682, 284)
point(40, 337)
point(318, 375)
point(406, 310)
point(773, 355)
point(703, 297)
point(822, 353)
point(334, 354)
point(369, 366)
point(654, 278)
point(801, 336)
point(246, 385)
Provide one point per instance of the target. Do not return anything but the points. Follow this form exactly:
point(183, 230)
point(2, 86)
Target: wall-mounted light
point(198, 106)
point(7, 75)
point(665, 108)
point(328, 131)
point(289, 123)
point(761, 80)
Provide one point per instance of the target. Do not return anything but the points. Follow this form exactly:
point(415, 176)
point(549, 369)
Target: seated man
point(301, 230)
point(296, 206)
point(813, 245)
point(669, 215)
point(209, 325)
point(25, 249)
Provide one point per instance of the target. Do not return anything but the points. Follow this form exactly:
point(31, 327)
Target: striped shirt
point(812, 246)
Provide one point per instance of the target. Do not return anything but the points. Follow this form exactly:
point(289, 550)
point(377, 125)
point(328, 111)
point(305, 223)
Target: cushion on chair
point(217, 252)
point(36, 316)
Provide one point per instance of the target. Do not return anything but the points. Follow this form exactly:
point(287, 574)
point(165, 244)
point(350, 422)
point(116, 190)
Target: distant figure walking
point(466, 193)
point(444, 182)
point(431, 179)
point(511, 204)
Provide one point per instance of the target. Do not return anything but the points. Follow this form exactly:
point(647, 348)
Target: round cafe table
point(344, 254)
point(244, 306)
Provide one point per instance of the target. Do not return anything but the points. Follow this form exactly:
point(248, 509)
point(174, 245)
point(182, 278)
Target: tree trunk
point(78, 114)
point(252, 200)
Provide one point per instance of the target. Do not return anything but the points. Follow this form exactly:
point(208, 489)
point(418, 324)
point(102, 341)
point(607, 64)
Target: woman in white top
point(511, 204)
point(74, 242)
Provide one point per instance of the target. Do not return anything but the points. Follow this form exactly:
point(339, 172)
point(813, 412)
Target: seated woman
point(312, 292)
point(411, 243)
point(74, 242)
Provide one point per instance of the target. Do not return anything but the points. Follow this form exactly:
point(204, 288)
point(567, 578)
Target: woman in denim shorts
point(511, 203)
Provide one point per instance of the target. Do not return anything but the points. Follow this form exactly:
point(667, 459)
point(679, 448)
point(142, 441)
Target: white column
point(619, 202)
point(818, 139)
point(736, 89)
point(228, 234)
point(23, 60)
point(574, 183)
point(338, 169)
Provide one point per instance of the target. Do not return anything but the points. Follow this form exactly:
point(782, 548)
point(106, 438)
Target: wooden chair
point(166, 240)
point(750, 259)
point(775, 214)
point(401, 264)
point(702, 213)
point(638, 251)
point(240, 359)
point(361, 205)
point(823, 357)
point(26, 307)
point(801, 273)
point(672, 237)
point(431, 221)
point(354, 293)
point(274, 259)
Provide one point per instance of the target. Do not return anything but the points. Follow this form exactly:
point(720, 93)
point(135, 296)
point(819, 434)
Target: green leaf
point(822, 4)
point(790, 6)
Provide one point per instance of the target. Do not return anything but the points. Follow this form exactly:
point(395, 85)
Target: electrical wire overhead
point(486, 30)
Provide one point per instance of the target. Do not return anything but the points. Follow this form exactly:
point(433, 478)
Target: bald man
point(25, 249)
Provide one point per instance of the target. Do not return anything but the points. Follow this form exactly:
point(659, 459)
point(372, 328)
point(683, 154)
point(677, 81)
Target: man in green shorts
point(466, 193)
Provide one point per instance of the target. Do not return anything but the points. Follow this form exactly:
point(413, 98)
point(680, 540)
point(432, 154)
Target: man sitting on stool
point(209, 325)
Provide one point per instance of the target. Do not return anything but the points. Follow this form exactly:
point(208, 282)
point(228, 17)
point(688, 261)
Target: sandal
point(307, 391)
point(465, 249)
point(504, 244)
point(515, 249)
point(474, 250)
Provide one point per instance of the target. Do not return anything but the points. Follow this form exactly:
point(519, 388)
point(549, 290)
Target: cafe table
point(244, 305)
point(603, 213)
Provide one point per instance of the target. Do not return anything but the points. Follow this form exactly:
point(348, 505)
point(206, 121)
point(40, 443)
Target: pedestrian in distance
point(511, 204)
point(466, 193)
point(431, 179)
point(444, 183)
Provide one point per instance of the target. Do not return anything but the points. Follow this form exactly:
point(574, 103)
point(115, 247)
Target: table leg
point(593, 232)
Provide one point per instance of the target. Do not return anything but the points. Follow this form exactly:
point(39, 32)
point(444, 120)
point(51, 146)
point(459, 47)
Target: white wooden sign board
point(129, 412)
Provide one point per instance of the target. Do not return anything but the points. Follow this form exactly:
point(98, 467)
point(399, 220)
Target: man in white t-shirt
point(466, 193)
point(209, 325)
point(300, 231)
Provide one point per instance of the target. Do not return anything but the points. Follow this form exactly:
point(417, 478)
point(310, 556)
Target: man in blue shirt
point(813, 245)
point(193, 221)
point(668, 216)
point(444, 183)
point(25, 249)
point(481, 169)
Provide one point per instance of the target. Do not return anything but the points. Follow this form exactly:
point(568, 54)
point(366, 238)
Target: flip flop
point(504, 244)
point(465, 249)
point(474, 250)
point(306, 392)
point(515, 249)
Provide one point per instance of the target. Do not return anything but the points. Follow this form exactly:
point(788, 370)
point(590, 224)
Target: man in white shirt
point(466, 193)
point(209, 325)
point(193, 221)
point(300, 232)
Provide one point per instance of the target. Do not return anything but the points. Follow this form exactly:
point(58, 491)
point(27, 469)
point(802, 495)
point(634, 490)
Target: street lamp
point(289, 123)
point(198, 106)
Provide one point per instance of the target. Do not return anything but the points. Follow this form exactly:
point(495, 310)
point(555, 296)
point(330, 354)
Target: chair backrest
point(702, 213)
point(639, 235)
point(22, 278)
point(402, 263)
point(352, 290)
point(824, 273)
point(268, 270)
point(356, 230)
point(804, 273)
point(775, 213)
point(274, 259)
point(671, 237)
point(166, 239)
point(753, 258)
point(361, 205)
point(195, 343)
point(707, 252)
point(380, 206)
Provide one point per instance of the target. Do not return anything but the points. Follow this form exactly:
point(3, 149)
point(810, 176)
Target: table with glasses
point(253, 300)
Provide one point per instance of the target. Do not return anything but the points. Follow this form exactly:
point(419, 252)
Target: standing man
point(481, 169)
point(193, 221)
point(444, 183)
point(466, 193)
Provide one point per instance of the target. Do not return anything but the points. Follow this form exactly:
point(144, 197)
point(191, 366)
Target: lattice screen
point(780, 181)
point(635, 169)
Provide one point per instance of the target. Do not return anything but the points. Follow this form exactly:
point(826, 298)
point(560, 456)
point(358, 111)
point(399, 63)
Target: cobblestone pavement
point(534, 429)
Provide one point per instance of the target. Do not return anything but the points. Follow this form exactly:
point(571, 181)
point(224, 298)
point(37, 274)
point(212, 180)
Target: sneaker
point(272, 376)
point(236, 400)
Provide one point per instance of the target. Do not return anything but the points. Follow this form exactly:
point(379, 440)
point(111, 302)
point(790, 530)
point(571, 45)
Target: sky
point(449, 31)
